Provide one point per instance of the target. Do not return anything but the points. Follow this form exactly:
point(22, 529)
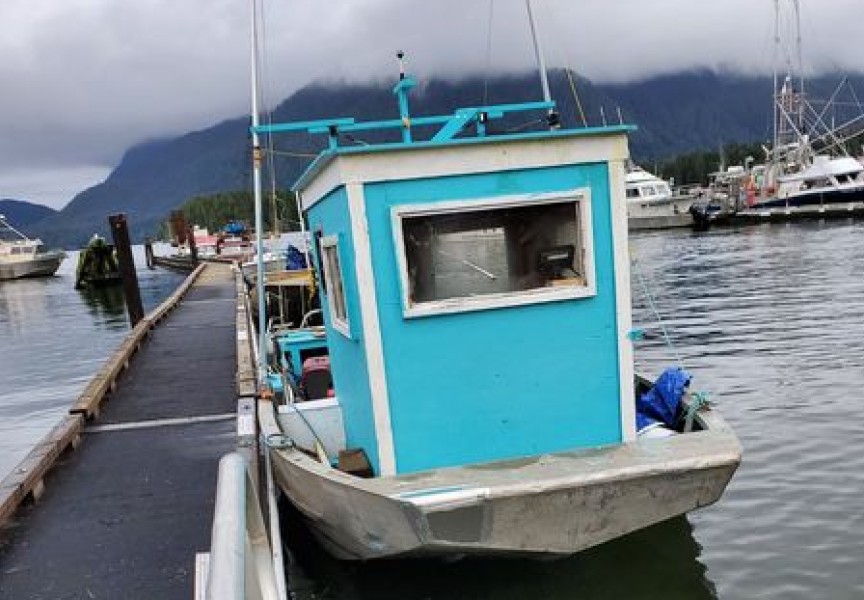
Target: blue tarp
point(234, 228)
point(662, 403)
point(294, 259)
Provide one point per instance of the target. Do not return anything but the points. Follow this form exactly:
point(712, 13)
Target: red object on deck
point(316, 380)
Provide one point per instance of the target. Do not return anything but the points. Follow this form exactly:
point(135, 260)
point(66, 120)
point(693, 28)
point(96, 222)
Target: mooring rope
point(653, 307)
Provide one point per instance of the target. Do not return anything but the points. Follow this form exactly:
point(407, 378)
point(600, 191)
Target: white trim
point(624, 317)
point(580, 196)
point(371, 335)
point(490, 301)
point(419, 162)
point(343, 326)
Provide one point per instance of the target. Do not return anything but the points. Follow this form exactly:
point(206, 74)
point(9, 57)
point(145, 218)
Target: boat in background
point(653, 204)
point(808, 168)
point(822, 180)
point(284, 252)
point(21, 256)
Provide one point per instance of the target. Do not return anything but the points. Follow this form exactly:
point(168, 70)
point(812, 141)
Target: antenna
point(401, 90)
point(400, 56)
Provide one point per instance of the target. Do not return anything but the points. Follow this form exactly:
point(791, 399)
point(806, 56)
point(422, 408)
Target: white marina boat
point(825, 181)
point(21, 256)
point(653, 204)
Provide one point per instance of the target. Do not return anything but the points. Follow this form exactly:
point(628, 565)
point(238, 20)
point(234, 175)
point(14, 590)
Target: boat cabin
point(475, 294)
point(643, 187)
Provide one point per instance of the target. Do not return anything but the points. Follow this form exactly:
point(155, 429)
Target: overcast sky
point(82, 80)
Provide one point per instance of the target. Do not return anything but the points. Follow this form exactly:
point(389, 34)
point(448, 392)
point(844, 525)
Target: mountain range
point(22, 214)
point(674, 113)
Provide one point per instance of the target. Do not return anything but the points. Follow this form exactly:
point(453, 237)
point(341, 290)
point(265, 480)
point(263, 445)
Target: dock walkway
point(124, 515)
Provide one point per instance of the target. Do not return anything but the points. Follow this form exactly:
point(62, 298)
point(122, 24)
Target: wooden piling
point(120, 233)
point(148, 254)
point(190, 240)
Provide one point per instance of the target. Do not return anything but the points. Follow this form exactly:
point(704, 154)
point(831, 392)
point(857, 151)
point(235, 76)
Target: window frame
point(341, 325)
point(579, 196)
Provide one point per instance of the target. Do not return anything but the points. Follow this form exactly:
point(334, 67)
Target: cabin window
point(472, 255)
point(632, 192)
point(334, 284)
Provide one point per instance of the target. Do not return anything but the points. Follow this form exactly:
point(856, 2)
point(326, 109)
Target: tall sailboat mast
point(257, 158)
point(776, 92)
point(800, 58)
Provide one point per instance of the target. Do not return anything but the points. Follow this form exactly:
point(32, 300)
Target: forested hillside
point(674, 114)
point(21, 214)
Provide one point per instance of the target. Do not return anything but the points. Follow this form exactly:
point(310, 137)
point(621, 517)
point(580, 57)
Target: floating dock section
point(125, 514)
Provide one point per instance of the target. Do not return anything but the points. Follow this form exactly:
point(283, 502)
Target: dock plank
point(124, 516)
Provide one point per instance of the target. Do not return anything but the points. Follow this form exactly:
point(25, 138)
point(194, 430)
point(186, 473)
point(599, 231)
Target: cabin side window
point(476, 255)
point(334, 284)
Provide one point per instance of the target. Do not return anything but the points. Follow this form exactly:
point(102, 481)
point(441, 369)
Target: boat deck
point(124, 515)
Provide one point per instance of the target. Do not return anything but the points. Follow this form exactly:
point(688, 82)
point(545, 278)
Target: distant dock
point(781, 214)
point(750, 216)
point(124, 515)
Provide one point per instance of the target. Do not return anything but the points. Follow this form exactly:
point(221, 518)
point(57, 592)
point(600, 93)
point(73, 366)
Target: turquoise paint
point(506, 382)
point(329, 154)
point(347, 356)
point(292, 344)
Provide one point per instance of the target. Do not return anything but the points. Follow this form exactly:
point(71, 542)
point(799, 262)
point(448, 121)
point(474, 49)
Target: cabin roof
point(329, 155)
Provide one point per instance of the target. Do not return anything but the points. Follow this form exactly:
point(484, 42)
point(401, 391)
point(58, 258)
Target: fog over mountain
point(674, 114)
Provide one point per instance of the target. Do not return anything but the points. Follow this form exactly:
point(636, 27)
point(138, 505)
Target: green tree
point(215, 210)
point(694, 167)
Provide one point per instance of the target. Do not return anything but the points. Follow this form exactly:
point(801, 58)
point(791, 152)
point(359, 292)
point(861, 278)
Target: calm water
point(54, 339)
point(770, 320)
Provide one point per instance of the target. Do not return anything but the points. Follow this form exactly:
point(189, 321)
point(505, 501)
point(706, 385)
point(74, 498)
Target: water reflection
point(23, 300)
point(106, 303)
point(658, 562)
point(54, 339)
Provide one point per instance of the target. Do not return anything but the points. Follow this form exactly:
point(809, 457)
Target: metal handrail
point(241, 565)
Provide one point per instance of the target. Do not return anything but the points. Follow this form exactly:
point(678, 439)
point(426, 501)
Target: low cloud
point(85, 79)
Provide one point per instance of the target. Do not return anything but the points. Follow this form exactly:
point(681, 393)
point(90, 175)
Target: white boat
point(653, 204)
point(21, 256)
point(478, 394)
point(808, 165)
point(824, 181)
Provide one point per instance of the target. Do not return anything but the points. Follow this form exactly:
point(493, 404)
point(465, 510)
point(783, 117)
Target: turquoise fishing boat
point(472, 389)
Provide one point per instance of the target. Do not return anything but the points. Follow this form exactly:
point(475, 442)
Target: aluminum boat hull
point(43, 265)
point(543, 506)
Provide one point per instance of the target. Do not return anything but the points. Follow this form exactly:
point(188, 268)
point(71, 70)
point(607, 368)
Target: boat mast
point(552, 117)
point(259, 221)
point(776, 97)
point(797, 5)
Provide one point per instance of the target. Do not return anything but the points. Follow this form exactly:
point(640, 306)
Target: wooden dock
point(124, 515)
